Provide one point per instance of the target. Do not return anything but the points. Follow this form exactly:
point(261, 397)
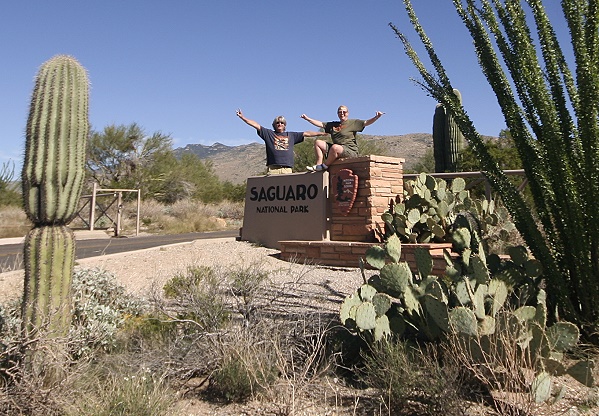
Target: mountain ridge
point(236, 163)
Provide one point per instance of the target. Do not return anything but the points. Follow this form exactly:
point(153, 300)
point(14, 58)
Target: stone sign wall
point(343, 204)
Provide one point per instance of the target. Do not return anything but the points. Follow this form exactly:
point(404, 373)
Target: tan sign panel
point(285, 207)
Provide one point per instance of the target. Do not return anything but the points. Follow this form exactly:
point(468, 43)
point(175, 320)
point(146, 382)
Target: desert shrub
point(145, 330)
point(248, 364)
point(412, 379)
point(189, 216)
point(233, 192)
point(182, 216)
point(263, 354)
point(210, 297)
point(22, 397)
point(247, 284)
point(21, 386)
point(425, 163)
point(502, 368)
point(100, 308)
point(198, 298)
point(118, 392)
point(9, 195)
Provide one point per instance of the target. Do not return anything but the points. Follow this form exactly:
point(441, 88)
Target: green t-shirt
point(345, 134)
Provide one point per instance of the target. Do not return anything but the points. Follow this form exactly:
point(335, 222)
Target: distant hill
point(236, 163)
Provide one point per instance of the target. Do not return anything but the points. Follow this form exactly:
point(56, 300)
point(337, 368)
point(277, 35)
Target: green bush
point(9, 196)
point(247, 366)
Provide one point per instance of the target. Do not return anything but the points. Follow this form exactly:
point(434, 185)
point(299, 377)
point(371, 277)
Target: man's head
point(342, 113)
point(279, 124)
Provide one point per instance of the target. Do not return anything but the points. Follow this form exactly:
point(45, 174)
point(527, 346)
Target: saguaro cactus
point(52, 178)
point(448, 140)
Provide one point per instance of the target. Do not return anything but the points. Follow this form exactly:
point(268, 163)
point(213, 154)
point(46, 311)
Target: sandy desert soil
point(141, 271)
point(318, 288)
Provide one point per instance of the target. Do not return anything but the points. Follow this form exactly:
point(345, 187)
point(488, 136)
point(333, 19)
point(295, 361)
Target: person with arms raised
point(343, 134)
point(279, 143)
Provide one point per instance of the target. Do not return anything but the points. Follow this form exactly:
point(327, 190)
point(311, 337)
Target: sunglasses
point(341, 112)
point(280, 122)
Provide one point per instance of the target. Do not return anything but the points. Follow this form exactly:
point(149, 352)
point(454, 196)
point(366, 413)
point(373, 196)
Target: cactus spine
point(52, 178)
point(448, 140)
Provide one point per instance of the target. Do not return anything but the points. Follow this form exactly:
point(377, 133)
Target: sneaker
point(316, 168)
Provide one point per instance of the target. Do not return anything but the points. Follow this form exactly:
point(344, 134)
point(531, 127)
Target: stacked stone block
point(380, 179)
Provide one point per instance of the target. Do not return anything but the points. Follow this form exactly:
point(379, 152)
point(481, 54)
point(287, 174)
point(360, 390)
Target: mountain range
point(236, 163)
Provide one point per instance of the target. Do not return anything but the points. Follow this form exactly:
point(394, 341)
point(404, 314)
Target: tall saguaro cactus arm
point(52, 179)
point(448, 140)
point(56, 136)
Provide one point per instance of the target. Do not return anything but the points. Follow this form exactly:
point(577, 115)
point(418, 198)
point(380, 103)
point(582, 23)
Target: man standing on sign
point(343, 133)
point(279, 143)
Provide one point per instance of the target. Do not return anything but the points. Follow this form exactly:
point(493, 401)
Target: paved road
point(11, 255)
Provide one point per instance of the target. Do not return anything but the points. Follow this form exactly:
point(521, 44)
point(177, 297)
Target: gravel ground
point(300, 287)
point(294, 288)
point(313, 286)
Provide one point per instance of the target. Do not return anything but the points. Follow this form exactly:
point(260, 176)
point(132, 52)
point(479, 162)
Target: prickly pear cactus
point(52, 179)
point(430, 210)
point(482, 306)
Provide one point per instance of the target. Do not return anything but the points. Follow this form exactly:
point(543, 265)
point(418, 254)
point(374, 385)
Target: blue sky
point(182, 67)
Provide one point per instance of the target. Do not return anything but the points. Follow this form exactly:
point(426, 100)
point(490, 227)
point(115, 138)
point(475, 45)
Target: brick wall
point(380, 179)
point(347, 254)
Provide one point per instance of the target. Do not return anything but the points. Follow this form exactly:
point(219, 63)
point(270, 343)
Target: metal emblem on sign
point(345, 184)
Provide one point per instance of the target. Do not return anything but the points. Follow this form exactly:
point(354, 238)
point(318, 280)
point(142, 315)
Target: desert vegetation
point(509, 330)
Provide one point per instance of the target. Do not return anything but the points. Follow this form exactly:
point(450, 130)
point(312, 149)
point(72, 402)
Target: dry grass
point(263, 359)
point(503, 372)
point(182, 217)
point(267, 356)
point(13, 222)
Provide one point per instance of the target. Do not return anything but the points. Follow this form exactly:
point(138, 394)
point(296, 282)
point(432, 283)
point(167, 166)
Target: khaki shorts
point(278, 170)
point(347, 153)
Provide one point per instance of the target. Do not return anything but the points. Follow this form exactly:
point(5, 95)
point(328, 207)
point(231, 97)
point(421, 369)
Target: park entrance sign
point(285, 207)
point(343, 204)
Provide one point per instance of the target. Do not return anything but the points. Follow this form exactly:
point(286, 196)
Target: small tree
point(8, 193)
point(126, 157)
point(120, 156)
point(502, 149)
point(552, 114)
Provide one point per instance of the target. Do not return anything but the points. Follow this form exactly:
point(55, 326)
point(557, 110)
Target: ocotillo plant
point(549, 104)
point(52, 178)
point(448, 140)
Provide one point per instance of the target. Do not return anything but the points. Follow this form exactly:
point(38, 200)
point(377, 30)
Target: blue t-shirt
point(279, 146)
